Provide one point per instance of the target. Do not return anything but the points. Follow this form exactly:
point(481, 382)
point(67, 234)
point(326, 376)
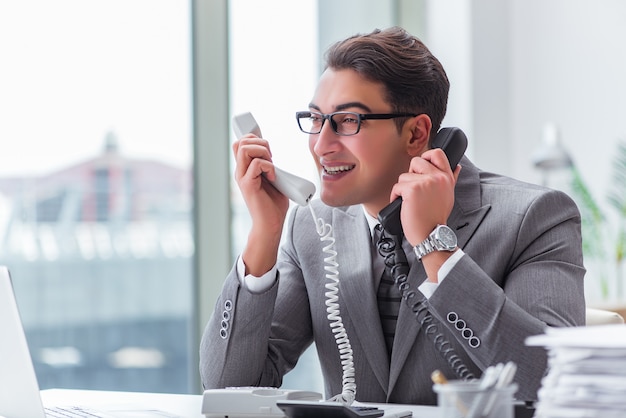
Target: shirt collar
point(371, 221)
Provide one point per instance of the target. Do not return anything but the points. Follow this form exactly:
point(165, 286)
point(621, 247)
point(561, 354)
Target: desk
point(188, 406)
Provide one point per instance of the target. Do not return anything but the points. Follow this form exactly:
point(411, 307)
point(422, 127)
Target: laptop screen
point(19, 390)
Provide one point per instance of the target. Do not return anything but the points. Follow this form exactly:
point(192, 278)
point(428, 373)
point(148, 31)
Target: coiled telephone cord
point(325, 231)
point(390, 248)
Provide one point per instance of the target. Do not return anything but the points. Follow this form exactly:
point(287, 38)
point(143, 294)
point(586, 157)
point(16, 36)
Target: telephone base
point(251, 402)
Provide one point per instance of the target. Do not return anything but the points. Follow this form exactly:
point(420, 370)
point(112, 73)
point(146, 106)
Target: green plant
point(592, 227)
point(596, 230)
point(617, 199)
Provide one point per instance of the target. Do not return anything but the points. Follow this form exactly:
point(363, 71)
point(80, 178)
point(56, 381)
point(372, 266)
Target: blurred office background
point(119, 218)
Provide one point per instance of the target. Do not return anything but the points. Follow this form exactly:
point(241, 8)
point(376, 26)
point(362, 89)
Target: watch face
point(447, 236)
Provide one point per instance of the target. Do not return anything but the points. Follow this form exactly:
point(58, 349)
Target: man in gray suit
point(516, 269)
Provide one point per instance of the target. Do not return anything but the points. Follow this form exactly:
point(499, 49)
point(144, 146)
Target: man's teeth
point(338, 169)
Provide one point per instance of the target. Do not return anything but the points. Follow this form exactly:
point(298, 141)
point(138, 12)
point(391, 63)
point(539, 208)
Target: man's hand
point(267, 206)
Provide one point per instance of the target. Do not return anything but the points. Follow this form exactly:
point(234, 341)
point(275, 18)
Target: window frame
point(211, 161)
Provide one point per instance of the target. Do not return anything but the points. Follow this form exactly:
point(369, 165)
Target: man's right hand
point(267, 206)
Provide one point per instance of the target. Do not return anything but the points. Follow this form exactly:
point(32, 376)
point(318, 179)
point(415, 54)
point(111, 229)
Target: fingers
point(431, 159)
point(247, 150)
point(432, 169)
point(457, 172)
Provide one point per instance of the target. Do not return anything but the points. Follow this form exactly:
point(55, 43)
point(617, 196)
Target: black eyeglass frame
point(360, 117)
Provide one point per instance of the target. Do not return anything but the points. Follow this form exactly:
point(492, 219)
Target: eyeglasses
point(343, 123)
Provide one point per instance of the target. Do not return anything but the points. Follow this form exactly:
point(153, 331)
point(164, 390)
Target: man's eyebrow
point(351, 105)
point(344, 106)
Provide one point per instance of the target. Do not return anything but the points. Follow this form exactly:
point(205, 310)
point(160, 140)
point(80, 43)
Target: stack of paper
point(587, 372)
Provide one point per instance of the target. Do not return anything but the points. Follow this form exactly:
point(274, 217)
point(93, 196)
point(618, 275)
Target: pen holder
point(460, 399)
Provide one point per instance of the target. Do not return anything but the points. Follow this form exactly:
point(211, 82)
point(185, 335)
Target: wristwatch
point(441, 239)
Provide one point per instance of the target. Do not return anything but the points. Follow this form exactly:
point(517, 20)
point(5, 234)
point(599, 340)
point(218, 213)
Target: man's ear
point(418, 132)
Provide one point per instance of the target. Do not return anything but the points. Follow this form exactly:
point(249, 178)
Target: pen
point(438, 378)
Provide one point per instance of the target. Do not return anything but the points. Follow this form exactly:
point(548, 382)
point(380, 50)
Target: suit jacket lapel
point(468, 211)
point(356, 282)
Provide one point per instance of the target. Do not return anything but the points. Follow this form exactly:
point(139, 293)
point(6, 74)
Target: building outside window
point(96, 187)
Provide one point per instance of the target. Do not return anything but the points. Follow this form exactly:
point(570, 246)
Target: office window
point(96, 189)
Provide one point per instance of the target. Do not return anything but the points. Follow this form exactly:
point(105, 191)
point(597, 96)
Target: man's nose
point(327, 140)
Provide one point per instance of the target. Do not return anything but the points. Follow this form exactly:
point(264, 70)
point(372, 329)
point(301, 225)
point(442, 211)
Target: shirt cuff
point(255, 284)
point(428, 288)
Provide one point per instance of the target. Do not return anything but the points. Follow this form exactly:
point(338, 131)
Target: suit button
point(474, 342)
point(228, 306)
point(452, 317)
point(466, 332)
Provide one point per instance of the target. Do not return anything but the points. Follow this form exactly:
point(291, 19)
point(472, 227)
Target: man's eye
point(349, 120)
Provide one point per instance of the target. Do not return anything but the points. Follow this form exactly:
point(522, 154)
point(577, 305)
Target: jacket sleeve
point(254, 339)
point(234, 342)
point(540, 285)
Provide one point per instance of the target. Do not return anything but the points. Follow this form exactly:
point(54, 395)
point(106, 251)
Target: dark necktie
point(388, 295)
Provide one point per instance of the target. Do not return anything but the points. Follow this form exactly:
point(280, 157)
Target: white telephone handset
point(295, 188)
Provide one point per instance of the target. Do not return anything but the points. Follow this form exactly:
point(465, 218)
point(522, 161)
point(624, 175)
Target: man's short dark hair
point(414, 79)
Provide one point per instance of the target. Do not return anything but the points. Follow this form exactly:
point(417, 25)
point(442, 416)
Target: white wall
point(569, 67)
point(448, 36)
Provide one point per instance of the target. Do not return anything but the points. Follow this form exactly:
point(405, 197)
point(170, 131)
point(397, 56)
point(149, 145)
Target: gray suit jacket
point(522, 271)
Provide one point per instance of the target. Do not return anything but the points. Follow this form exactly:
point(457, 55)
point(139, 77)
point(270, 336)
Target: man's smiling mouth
point(338, 169)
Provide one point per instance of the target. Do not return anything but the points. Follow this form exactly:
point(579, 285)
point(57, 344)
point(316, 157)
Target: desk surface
point(188, 406)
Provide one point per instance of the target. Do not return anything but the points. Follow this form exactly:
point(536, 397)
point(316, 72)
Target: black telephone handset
point(454, 143)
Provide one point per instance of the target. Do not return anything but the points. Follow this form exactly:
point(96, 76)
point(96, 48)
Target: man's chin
point(336, 201)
